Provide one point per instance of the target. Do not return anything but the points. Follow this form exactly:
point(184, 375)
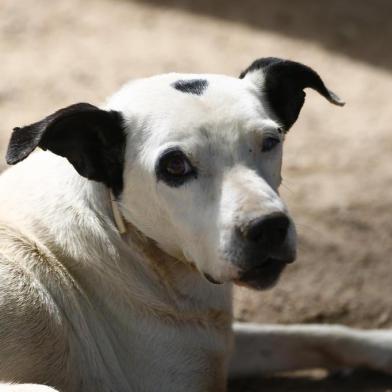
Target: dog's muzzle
point(267, 250)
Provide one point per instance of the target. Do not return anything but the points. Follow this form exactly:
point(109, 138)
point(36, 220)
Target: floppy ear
point(93, 141)
point(283, 82)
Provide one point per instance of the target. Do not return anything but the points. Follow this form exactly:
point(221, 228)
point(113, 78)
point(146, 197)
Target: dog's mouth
point(263, 276)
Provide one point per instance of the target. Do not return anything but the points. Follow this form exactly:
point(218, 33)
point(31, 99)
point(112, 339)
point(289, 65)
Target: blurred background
point(337, 163)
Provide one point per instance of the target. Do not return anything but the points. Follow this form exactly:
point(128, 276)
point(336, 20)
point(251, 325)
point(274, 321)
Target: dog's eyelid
point(180, 151)
point(275, 133)
point(270, 130)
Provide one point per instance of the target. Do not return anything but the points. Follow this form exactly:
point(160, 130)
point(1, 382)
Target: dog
point(121, 238)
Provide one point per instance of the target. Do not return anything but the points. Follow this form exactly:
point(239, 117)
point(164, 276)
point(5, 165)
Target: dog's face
point(202, 169)
point(195, 163)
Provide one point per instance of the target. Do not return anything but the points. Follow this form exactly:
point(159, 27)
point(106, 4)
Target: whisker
point(287, 189)
point(308, 227)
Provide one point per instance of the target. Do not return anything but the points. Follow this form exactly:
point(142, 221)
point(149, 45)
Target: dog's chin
point(262, 277)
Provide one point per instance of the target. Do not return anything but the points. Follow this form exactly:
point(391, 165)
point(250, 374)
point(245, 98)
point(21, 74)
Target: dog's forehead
point(184, 100)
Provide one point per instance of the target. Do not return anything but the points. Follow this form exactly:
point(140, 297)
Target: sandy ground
point(337, 169)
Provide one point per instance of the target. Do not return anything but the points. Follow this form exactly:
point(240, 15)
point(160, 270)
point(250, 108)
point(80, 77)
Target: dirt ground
point(337, 164)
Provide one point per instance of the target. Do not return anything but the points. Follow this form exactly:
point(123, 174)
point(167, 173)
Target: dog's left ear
point(92, 139)
point(283, 82)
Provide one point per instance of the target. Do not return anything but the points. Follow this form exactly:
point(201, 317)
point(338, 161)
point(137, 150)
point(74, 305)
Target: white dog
point(117, 263)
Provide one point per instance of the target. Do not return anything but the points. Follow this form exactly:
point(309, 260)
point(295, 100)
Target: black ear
point(283, 84)
point(93, 141)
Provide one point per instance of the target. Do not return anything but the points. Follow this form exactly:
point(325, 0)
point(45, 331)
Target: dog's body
point(89, 330)
point(87, 307)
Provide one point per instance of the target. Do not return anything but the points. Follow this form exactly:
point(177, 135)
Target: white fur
point(134, 313)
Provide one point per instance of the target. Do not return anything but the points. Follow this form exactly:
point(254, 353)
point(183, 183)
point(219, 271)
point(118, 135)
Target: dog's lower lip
point(262, 276)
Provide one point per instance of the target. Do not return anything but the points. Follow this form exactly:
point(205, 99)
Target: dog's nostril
point(269, 231)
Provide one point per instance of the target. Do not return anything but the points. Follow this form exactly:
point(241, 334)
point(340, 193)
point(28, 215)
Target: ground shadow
point(359, 381)
point(360, 29)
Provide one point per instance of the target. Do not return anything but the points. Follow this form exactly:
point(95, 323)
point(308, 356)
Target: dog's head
point(194, 161)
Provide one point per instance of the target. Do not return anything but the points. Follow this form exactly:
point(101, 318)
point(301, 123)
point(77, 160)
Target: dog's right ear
point(283, 83)
point(92, 139)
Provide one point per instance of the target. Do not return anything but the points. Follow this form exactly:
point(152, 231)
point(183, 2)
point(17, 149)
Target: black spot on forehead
point(191, 86)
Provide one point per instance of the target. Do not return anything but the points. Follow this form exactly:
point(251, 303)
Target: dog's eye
point(178, 166)
point(269, 143)
point(174, 168)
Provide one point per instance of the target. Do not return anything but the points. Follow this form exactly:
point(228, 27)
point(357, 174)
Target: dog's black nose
point(269, 231)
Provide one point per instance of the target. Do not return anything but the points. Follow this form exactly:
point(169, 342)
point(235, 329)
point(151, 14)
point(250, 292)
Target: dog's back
point(37, 292)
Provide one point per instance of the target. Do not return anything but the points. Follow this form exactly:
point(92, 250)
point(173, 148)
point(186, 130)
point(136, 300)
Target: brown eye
point(174, 168)
point(178, 166)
